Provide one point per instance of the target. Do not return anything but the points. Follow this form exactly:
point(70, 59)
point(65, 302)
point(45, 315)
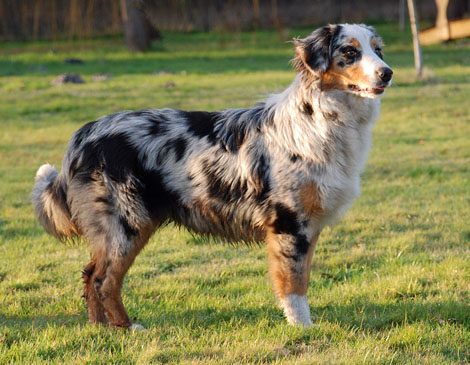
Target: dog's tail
point(50, 203)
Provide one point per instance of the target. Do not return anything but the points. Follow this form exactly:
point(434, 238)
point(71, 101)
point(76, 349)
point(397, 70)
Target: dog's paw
point(306, 323)
point(137, 327)
point(296, 310)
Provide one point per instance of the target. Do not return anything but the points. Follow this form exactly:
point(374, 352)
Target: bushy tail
point(50, 203)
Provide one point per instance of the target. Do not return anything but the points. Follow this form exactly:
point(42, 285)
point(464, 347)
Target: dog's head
point(344, 57)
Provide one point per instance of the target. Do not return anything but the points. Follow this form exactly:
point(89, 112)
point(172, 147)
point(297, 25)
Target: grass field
point(390, 283)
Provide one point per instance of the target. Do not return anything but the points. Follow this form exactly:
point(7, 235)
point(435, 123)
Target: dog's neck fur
point(306, 121)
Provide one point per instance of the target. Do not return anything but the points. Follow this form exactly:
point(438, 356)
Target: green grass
point(390, 284)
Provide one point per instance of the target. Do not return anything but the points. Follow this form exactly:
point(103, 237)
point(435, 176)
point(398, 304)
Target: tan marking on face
point(340, 77)
point(373, 42)
point(311, 200)
point(285, 280)
point(355, 43)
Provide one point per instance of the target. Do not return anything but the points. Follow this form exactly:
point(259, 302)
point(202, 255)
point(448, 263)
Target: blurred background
point(72, 19)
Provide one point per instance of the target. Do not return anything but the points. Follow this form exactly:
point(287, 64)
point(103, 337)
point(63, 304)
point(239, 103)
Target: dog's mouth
point(374, 90)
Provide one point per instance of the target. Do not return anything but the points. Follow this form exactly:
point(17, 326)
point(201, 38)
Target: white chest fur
point(350, 140)
point(333, 142)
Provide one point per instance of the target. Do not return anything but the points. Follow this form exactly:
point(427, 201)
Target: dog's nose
point(385, 74)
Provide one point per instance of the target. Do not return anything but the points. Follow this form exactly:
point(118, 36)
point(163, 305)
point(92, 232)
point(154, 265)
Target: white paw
point(137, 327)
point(296, 310)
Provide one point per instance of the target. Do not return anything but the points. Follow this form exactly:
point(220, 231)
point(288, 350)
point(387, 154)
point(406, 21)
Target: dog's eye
point(351, 53)
point(378, 51)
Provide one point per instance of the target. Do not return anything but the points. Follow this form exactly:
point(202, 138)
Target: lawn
point(390, 283)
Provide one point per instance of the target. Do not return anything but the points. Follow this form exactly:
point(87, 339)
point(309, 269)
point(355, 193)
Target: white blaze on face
point(370, 63)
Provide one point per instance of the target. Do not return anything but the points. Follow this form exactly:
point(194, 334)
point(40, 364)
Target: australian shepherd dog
point(276, 173)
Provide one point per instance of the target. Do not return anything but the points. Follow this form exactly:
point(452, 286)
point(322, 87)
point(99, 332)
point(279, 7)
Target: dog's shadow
point(357, 315)
point(369, 318)
point(366, 315)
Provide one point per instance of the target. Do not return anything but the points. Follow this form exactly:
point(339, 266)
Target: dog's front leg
point(290, 257)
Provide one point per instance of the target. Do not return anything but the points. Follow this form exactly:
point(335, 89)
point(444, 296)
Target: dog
point(276, 173)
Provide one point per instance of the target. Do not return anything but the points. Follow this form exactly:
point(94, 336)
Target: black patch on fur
point(156, 121)
point(161, 202)
point(294, 157)
point(82, 133)
point(341, 64)
point(98, 283)
point(88, 271)
point(154, 128)
point(301, 246)
point(102, 199)
point(128, 230)
point(237, 126)
point(262, 178)
point(201, 124)
point(116, 157)
point(179, 146)
point(236, 137)
point(336, 40)
point(113, 154)
point(144, 159)
point(319, 47)
point(307, 108)
point(220, 189)
point(286, 220)
point(217, 188)
point(330, 116)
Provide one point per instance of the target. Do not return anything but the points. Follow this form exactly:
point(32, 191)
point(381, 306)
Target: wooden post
point(442, 24)
point(416, 44)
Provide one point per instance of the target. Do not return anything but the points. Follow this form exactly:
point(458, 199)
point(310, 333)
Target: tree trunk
point(275, 15)
point(416, 44)
point(255, 14)
point(137, 28)
point(401, 15)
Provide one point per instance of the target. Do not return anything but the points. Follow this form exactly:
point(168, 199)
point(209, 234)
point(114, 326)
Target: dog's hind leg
point(94, 306)
point(289, 266)
point(110, 269)
point(107, 282)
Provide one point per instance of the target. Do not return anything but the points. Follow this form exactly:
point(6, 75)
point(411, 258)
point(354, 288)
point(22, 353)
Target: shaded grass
point(390, 284)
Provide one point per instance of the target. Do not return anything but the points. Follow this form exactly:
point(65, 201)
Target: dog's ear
point(313, 53)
